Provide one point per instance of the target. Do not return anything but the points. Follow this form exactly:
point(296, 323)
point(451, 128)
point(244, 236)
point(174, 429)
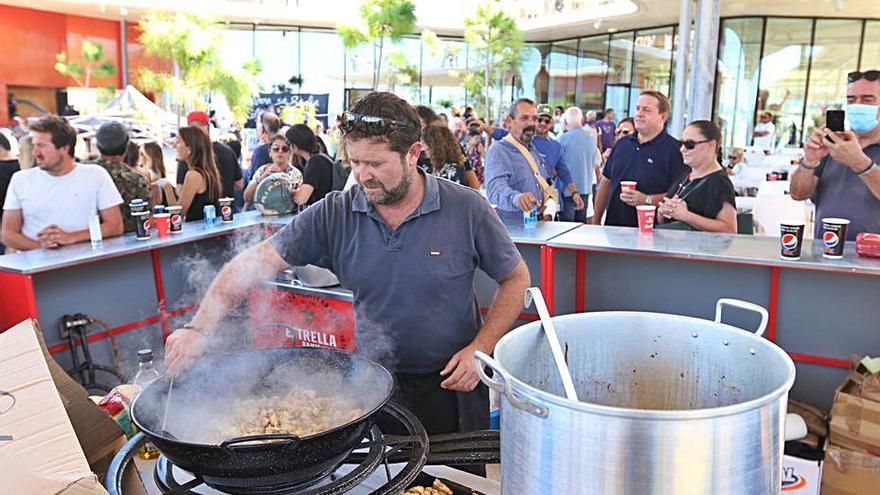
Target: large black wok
point(204, 394)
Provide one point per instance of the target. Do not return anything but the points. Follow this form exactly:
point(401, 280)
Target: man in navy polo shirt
point(650, 157)
point(407, 245)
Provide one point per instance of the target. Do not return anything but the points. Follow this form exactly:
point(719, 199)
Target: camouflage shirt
point(131, 185)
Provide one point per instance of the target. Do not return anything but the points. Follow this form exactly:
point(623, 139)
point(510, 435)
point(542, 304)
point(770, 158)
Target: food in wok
point(301, 412)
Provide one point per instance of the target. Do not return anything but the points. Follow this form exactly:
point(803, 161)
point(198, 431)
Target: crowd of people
point(555, 163)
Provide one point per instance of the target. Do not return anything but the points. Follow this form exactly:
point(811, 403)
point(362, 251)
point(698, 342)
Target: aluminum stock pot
point(667, 405)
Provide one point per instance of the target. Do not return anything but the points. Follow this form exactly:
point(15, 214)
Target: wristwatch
point(649, 200)
point(188, 326)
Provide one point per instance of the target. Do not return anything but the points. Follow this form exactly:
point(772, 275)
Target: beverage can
point(159, 209)
point(210, 214)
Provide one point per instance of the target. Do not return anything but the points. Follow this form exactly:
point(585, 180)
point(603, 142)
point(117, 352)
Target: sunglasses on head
point(369, 124)
point(283, 148)
point(869, 75)
point(690, 144)
point(545, 119)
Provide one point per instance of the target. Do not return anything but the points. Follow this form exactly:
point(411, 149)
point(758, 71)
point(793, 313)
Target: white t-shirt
point(66, 201)
point(765, 142)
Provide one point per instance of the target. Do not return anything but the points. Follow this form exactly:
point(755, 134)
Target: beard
point(387, 196)
point(527, 135)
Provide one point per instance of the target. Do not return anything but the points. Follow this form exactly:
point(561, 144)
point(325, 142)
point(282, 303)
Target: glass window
point(871, 50)
point(835, 53)
point(563, 69)
point(278, 53)
point(782, 90)
point(652, 61)
point(592, 69)
point(359, 67)
point(322, 63)
point(736, 86)
point(620, 61)
point(443, 66)
point(529, 67)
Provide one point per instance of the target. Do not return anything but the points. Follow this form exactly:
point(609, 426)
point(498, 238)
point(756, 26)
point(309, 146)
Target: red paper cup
point(163, 224)
point(646, 217)
point(628, 184)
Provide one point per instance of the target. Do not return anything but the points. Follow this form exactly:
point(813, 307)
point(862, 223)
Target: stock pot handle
point(765, 317)
point(284, 438)
point(503, 385)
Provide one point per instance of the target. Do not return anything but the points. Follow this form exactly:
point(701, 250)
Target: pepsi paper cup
point(791, 239)
point(226, 209)
point(142, 219)
point(176, 218)
point(833, 237)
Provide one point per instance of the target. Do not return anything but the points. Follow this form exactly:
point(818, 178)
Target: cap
point(198, 116)
point(112, 137)
point(145, 355)
point(545, 110)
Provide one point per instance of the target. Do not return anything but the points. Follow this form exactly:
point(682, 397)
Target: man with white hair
point(579, 152)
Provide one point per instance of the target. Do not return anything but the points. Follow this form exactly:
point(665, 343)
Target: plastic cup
point(646, 214)
point(791, 239)
point(834, 237)
point(628, 184)
point(163, 224)
point(142, 219)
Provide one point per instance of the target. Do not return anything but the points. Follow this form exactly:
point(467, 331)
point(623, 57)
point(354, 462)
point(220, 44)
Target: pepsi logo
point(176, 220)
point(789, 241)
point(225, 211)
point(147, 224)
point(793, 483)
point(830, 239)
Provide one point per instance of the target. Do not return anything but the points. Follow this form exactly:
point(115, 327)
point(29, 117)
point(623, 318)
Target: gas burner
point(411, 448)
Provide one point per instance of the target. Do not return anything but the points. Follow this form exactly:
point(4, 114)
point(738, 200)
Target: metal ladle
point(533, 294)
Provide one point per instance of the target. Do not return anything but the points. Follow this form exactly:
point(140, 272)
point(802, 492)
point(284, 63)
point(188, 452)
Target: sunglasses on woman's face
point(690, 144)
point(282, 148)
point(623, 132)
point(868, 75)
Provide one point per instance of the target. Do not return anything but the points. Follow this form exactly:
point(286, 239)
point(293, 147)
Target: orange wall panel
point(32, 38)
point(101, 31)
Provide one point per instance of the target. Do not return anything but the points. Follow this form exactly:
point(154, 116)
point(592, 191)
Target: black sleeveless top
point(197, 208)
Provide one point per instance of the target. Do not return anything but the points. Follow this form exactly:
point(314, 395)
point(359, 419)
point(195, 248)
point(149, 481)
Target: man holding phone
point(840, 168)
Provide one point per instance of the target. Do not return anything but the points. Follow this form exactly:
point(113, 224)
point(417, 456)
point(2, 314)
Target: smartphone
point(834, 120)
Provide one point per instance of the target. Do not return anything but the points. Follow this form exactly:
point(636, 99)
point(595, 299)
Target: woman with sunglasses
point(280, 153)
point(318, 170)
point(703, 198)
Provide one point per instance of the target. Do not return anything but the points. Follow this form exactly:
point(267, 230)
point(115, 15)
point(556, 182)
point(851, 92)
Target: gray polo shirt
point(414, 299)
point(841, 193)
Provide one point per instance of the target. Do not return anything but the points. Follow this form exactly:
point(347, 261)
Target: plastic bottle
point(530, 218)
point(95, 231)
point(145, 375)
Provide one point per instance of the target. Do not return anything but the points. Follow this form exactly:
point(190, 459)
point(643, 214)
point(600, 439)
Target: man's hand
point(461, 371)
point(815, 148)
point(846, 149)
point(53, 236)
point(632, 197)
point(578, 201)
point(526, 200)
point(182, 348)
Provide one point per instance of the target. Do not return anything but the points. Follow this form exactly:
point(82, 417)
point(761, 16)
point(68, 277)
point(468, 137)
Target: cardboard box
point(847, 472)
point(855, 421)
point(59, 437)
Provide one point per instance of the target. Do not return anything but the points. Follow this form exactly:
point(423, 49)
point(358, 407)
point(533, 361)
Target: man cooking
point(407, 245)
